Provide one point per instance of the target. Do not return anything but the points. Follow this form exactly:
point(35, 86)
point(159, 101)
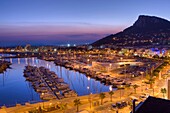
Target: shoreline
point(125, 93)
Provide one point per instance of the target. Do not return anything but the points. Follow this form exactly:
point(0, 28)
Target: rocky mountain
point(147, 30)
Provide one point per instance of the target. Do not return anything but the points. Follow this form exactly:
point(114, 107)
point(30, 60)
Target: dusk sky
point(71, 21)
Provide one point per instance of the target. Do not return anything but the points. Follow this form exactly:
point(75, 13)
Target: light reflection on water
point(14, 89)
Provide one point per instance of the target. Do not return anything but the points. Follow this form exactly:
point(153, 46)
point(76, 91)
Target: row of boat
point(107, 79)
point(47, 83)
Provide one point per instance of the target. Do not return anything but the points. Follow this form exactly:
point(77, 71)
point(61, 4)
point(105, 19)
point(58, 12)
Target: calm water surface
point(14, 89)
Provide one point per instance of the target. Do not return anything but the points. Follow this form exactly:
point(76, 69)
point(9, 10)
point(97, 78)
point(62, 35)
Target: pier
point(47, 83)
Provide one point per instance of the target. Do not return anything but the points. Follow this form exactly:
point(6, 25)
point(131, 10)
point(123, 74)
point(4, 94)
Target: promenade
point(126, 94)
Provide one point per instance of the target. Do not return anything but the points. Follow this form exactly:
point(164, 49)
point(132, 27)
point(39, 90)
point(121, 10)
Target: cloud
point(49, 34)
point(62, 28)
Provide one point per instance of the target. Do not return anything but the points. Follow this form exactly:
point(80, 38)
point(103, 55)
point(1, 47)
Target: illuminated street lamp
point(88, 78)
point(110, 66)
point(121, 58)
point(142, 74)
point(50, 105)
point(90, 100)
point(88, 61)
point(42, 97)
point(68, 45)
point(142, 85)
point(121, 88)
point(153, 90)
point(110, 88)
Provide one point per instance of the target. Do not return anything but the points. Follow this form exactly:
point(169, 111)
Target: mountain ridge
point(147, 30)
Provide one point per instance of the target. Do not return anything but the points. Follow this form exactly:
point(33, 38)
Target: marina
point(47, 83)
point(23, 90)
point(106, 79)
point(90, 56)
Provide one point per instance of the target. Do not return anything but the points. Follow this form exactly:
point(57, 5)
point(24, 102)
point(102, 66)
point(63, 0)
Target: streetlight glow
point(88, 78)
point(110, 88)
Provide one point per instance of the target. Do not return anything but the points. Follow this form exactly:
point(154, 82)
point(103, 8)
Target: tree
point(111, 93)
point(90, 100)
point(150, 81)
point(135, 86)
point(63, 107)
point(163, 91)
point(121, 88)
point(165, 76)
point(102, 96)
point(77, 103)
point(40, 109)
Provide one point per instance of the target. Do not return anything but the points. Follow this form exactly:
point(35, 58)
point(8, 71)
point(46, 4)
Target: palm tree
point(40, 110)
point(163, 91)
point(150, 81)
point(77, 103)
point(121, 88)
point(135, 86)
point(111, 93)
point(90, 100)
point(165, 77)
point(102, 96)
point(63, 107)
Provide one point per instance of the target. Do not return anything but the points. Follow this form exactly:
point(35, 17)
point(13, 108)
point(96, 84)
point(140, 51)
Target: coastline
point(125, 93)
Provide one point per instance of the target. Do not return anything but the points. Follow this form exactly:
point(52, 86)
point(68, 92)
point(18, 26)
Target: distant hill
point(147, 30)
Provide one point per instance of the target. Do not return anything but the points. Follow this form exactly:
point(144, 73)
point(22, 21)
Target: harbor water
point(15, 89)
